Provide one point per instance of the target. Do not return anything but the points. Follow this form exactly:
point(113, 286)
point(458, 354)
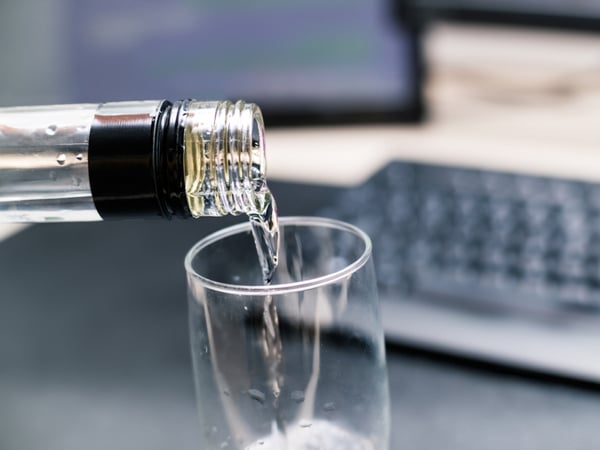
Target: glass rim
point(282, 288)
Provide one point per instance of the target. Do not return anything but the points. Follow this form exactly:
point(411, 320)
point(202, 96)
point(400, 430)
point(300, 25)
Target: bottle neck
point(224, 158)
point(177, 160)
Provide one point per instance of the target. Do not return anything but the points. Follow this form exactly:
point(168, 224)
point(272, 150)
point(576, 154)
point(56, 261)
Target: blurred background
point(460, 134)
point(293, 58)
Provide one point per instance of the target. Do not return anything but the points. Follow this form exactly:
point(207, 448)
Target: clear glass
point(300, 363)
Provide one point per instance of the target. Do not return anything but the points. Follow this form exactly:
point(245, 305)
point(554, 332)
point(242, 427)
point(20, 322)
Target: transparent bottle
point(165, 159)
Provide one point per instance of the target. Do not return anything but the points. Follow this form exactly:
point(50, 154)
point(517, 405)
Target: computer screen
point(298, 59)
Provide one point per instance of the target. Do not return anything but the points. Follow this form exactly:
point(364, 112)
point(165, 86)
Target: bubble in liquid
point(257, 395)
point(297, 396)
point(61, 159)
point(305, 424)
point(51, 130)
point(226, 392)
point(329, 406)
point(79, 157)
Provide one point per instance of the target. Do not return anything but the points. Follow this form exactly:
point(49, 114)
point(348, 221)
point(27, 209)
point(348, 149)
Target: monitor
point(302, 61)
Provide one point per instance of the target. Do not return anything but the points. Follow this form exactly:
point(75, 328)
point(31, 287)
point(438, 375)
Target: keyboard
point(497, 266)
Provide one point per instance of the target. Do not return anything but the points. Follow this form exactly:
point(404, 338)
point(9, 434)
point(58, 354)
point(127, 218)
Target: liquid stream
point(301, 434)
point(265, 230)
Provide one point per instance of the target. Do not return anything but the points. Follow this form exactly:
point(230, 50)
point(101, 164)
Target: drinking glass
point(299, 363)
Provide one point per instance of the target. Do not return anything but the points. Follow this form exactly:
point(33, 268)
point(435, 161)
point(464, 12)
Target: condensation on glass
point(44, 164)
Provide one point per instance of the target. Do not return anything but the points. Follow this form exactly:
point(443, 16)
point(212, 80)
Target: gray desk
point(448, 405)
point(94, 354)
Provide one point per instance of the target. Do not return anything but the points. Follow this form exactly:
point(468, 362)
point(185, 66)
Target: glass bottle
point(88, 162)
